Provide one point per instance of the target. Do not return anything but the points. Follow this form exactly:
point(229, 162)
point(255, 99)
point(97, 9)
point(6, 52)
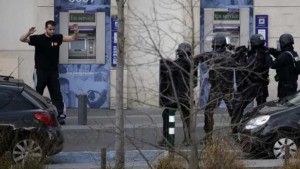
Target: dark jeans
point(51, 80)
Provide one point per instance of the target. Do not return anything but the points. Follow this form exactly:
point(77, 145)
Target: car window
point(37, 98)
point(11, 99)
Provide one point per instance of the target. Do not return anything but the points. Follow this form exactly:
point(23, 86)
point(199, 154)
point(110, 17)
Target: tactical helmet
point(184, 48)
point(257, 40)
point(286, 39)
point(219, 40)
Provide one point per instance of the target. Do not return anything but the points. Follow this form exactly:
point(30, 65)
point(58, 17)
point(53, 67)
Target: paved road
point(143, 130)
point(143, 127)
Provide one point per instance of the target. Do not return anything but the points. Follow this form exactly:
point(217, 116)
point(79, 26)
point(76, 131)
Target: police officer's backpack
point(296, 62)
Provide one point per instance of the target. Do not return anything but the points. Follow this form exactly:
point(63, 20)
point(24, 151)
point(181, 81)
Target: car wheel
point(26, 148)
point(281, 144)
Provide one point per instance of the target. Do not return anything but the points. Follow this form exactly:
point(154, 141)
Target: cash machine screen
point(78, 45)
point(84, 47)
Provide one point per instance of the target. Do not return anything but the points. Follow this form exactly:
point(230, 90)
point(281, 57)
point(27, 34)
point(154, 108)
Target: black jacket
point(284, 65)
point(258, 63)
point(180, 77)
point(253, 66)
point(221, 65)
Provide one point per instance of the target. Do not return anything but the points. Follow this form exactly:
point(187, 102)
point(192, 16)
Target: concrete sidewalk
point(89, 160)
point(134, 160)
point(134, 118)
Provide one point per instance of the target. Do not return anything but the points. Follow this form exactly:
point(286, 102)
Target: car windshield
point(40, 99)
point(292, 100)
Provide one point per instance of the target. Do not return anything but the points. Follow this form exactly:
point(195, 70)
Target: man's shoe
point(61, 120)
point(163, 143)
point(63, 116)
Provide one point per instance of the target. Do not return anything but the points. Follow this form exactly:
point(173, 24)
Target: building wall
point(154, 30)
point(18, 16)
point(284, 17)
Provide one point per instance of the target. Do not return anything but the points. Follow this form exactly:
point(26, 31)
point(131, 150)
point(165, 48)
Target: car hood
point(271, 108)
point(268, 108)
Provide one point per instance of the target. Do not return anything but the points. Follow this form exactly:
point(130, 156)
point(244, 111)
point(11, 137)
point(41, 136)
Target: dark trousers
point(262, 98)
point(185, 117)
point(50, 79)
point(165, 116)
point(216, 95)
point(286, 89)
point(241, 100)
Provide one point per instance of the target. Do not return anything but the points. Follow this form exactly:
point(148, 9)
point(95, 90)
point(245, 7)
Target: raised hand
point(75, 28)
point(31, 30)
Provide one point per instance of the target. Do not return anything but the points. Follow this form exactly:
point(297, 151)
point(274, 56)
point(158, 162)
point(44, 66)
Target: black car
point(272, 128)
point(28, 124)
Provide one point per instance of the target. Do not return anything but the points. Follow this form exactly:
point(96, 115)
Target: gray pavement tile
point(95, 157)
point(134, 160)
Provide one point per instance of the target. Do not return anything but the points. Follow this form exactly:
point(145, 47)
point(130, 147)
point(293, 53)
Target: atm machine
point(89, 48)
point(233, 23)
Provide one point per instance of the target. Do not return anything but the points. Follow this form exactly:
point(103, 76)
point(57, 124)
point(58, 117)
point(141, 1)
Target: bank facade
point(153, 30)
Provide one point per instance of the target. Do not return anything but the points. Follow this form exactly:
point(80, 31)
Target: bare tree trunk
point(193, 157)
point(120, 134)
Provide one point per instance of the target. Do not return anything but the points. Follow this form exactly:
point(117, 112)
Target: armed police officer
point(286, 76)
point(252, 75)
point(176, 93)
point(255, 64)
point(220, 64)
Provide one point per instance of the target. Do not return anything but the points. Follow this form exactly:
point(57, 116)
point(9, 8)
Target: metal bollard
point(171, 130)
point(82, 109)
point(103, 158)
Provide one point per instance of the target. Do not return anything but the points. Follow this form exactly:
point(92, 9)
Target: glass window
point(39, 99)
point(12, 100)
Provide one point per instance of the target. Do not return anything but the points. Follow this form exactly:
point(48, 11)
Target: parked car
point(28, 124)
point(272, 128)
